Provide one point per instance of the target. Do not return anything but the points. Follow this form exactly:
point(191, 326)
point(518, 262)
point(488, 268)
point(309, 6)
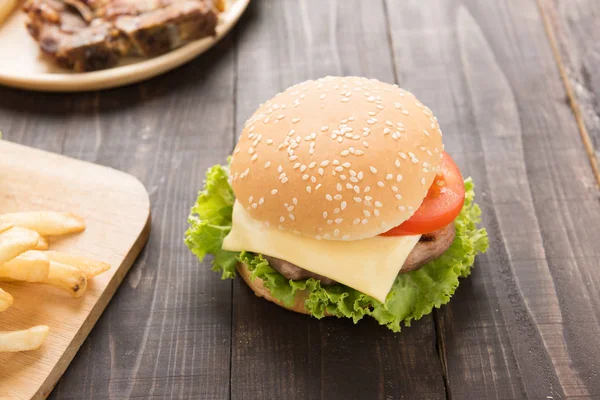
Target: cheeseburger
point(339, 200)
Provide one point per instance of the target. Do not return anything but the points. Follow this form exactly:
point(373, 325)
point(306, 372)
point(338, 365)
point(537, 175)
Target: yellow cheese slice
point(369, 265)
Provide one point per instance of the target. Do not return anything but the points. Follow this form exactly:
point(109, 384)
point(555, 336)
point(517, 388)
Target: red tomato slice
point(441, 205)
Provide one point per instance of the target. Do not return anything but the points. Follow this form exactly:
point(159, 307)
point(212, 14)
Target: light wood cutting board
point(116, 209)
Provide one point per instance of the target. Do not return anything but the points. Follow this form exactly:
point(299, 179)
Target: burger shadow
point(193, 76)
point(310, 348)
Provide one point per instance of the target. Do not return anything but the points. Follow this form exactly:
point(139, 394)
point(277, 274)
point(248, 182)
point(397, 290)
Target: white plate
point(23, 66)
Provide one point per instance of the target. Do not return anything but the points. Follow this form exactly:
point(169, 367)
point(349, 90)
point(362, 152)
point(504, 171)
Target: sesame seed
point(343, 205)
point(376, 212)
point(281, 219)
point(342, 176)
point(328, 197)
point(425, 132)
point(397, 163)
point(267, 164)
point(340, 139)
point(357, 199)
point(389, 123)
point(401, 208)
point(380, 184)
point(292, 217)
point(379, 107)
point(423, 181)
point(344, 153)
point(373, 169)
point(365, 144)
point(313, 179)
point(290, 208)
point(401, 154)
point(356, 221)
point(280, 116)
point(339, 220)
point(324, 214)
point(337, 197)
point(274, 192)
point(398, 178)
point(280, 169)
point(372, 113)
point(354, 179)
point(356, 189)
point(295, 120)
point(302, 168)
point(394, 188)
point(338, 186)
point(339, 168)
point(360, 175)
point(346, 165)
point(308, 189)
point(359, 152)
point(399, 197)
point(324, 163)
point(266, 120)
point(397, 105)
point(378, 204)
point(261, 201)
point(336, 211)
point(405, 112)
point(366, 213)
point(389, 176)
point(304, 177)
point(324, 128)
point(284, 180)
point(320, 171)
point(365, 221)
point(329, 221)
point(293, 158)
point(349, 186)
point(336, 232)
point(367, 189)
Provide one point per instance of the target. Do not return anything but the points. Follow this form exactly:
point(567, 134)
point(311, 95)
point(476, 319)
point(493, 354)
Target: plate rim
point(126, 74)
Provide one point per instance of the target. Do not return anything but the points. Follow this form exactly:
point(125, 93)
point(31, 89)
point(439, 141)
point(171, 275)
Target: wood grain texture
point(575, 29)
point(166, 334)
point(117, 227)
point(276, 353)
point(523, 325)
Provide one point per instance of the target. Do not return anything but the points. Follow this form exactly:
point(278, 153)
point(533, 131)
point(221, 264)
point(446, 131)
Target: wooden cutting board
point(116, 209)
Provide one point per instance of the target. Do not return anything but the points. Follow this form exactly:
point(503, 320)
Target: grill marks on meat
point(87, 35)
point(430, 246)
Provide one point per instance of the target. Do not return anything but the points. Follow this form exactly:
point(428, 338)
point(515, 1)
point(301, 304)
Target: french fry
point(42, 244)
point(5, 227)
point(46, 223)
point(90, 267)
point(67, 278)
point(16, 241)
point(31, 266)
point(29, 339)
point(6, 300)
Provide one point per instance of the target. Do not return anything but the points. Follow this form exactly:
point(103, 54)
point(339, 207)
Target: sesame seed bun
point(261, 291)
point(339, 158)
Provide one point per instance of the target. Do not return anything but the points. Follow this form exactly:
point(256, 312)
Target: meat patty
point(430, 246)
point(88, 35)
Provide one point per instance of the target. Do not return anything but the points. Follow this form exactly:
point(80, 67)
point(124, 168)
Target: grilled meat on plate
point(87, 35)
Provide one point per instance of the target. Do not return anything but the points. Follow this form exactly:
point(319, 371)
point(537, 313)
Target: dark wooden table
point(516, 86)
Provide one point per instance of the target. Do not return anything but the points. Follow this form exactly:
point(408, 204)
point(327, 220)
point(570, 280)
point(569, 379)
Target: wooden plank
point(523, 324)
point(167, 331)
point(117, 227)
point(573, 27)
point(276, 353)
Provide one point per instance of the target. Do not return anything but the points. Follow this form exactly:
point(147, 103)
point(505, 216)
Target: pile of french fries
point(24, 257)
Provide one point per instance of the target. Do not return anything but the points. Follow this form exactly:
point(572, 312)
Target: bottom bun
point(261, 291)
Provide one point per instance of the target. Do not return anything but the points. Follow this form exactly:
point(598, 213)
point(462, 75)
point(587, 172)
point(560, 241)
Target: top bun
point(339, 158)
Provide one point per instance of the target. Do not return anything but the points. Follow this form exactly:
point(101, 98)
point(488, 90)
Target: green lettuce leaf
point(413, 295)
